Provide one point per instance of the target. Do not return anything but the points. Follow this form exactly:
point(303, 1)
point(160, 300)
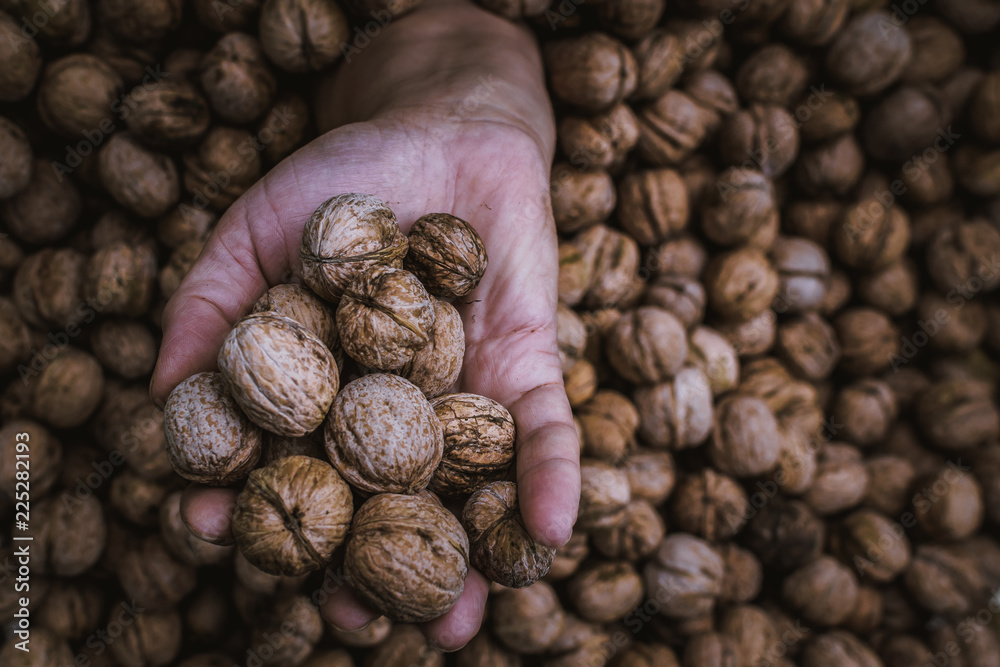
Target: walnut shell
point(478, 443)
point(141, 180)
point(384, 317)
point(121, 278)
point(501, 547)
point(635, 538)
point(20, 60)
point(280, 373)
point(383, 436)
point(405, 646)
point(527, 620)
point(605, 592)
point(298, 303)
point(76, 94)
point(69, 534)
point(44, 211)
point(209, 174)
point(436, 366)
point(209, 439)
point(407, 557)
point(234, 75)
point(150, 575)
point(447, 254)
point(647, 345)
point(153, 638)
point(292, 515)
point(346, 236)
point(124, 347)
point(685, 575)
point(286, 125)
point(604, 495)
point(167, 113)
point(302, 35)
point(68, 390)
point(47, 288)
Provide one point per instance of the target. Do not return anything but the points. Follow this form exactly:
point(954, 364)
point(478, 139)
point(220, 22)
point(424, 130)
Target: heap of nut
point(779, 227)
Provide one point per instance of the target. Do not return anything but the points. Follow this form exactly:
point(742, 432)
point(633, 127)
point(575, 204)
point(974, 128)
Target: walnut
point(889, 480)
point(709, 351)
point(651, 475)
point(230, 15)
point(960, 256)
point(131, 425)
point(121, 278)
point(143, 181)
point(447, 254)
point(685, 575)
point(527, 620)
point(611, 261)
point(46, 456)
point(653, 205)
point(47, 648)
point(635, 537)
point(608, 422)
point(46, 210)
point(824, 592)
point(184, 224)
point(76, 93)
point(569, 556)
point(808, 346)
point(407, 556)
point(741, 284)
point(710, 505)
point(15, 336)
point(501, 547)
point(478, 443)
point(209, 173)
point(234, 75)
point(69, 535)
point(345, 237)
point(167, 113)
point(150, 575)
point(297, 622)
point(676, 414)
point(871, 236)
point(405, 647)
point(867, 408)
point(681, 295)
point(866, 57)
point(838, 648)
point(180, 262)
point(285, 125)
point(763, 136)
point(661, 58)
point(709, 649)
point(138, 499)
point(647, 345)
point(18, 159)
point(868, 340)
point(605, 592)
point(894, 289)
point(744, 576)
point(484, 651)
point(716, 98)
point(580, 199)
point(383, 435)
point(47, 287)
point(604, 495)
point(279, 373)
point(874, 544)
point(20, 60)
point(774, 74)
point(670, 128)
point(605, 139)
point(298, 303)
point(292, 515)
point(944, 580)
point(785, 534)
point(71, 610)
point(841, 479)
point(67, 391)
point(949, 504)
point(140, 20)
point(153, 638)
point(302, 35)
point(958, 414)
point(745, 441)
point(592, 72)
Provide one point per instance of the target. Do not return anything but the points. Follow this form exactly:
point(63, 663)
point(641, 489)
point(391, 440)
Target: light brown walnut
point(478, 443)
point(447, 254)
point(436, 366)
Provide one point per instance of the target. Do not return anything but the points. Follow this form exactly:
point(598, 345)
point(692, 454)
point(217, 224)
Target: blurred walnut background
point(779, 232)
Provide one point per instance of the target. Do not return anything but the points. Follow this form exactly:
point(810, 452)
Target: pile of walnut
point(779, 324)
point(275, 414)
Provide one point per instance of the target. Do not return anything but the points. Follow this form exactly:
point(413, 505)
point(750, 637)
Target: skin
point(444, 111)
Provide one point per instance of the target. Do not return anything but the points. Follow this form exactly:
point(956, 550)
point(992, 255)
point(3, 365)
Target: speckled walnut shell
point(383, 436)
point(407, 557)
point(141, 180)
point(384, 317)
point(121, 278)
point(346, 236)
point(501, 547)
point(604, 495)
point(209, 439)
point(168, 113)
point(292, 515)
point(280, 373)
point(447, 254)
point(478, 443)
point(76, 93)
point(302, 35)
point(235, 76)
point(436, 366)
point(298, 303)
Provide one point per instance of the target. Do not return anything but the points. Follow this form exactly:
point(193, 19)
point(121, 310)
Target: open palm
point(453, 133)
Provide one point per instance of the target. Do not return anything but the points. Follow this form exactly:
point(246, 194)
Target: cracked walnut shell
point(501, 547)
point(280, 373)
point(209, 439)
point(346, 236)
point(385, 317)
point(447, 254)
point(292, 515)
point(407, 557)
point(382, 435)
point(478, 443)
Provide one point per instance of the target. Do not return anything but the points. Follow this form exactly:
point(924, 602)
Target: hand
point(445, 111)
